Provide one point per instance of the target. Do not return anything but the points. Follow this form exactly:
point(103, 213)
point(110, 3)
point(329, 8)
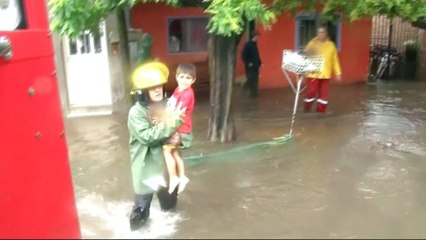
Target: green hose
point(276, 141)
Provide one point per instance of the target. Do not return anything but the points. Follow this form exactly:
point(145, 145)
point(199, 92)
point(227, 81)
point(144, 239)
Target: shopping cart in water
point(298, 63)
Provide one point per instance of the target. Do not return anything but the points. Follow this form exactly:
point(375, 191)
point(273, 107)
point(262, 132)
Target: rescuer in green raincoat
point(146, 140)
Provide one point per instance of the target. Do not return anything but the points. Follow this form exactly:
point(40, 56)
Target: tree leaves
point(409, 10)
point(74, 17)
point(228, 17)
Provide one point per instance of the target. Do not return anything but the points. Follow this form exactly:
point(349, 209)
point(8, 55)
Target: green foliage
point(292, 6)
point(420, 23)
point(228, 16)
point(73, 17)
point(409, 10)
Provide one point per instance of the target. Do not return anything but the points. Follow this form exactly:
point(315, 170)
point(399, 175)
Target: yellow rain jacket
point(331, 61)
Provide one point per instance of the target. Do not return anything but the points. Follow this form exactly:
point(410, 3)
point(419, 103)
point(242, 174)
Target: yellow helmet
point(149, 75)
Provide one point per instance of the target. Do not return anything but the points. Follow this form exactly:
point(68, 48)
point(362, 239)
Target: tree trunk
point(222, 56)
point(124, 52)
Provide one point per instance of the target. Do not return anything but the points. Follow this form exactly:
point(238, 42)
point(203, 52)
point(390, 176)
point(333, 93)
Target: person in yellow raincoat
point(146, 140)
point(318, 83)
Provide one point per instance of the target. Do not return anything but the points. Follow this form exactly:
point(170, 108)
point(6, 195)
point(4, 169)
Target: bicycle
point(388, 58)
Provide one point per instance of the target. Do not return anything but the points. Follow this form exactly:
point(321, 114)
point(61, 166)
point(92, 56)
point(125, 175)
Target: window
point(85, 43)
point(11, 15)
point(307, 25)
point(187, 35)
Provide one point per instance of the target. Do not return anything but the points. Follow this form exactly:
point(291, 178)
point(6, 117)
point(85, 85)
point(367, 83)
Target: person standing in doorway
point(252, 63)
point(318, 83)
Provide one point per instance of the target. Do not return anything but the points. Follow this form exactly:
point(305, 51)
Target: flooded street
point(358, 172)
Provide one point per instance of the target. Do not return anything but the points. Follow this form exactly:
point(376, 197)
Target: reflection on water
point(358, 172)
point(110, 219)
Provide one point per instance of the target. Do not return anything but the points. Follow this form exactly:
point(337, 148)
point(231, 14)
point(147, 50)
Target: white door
point(87, 70)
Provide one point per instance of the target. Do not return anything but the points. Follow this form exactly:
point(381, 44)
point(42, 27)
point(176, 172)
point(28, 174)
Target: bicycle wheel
point(380, 70)
point(393, 68)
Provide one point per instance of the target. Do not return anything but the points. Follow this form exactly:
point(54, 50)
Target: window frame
point(86, 39)
point(316, 17)
point(169, 21)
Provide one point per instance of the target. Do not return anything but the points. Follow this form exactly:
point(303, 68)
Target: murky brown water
point(358, 172)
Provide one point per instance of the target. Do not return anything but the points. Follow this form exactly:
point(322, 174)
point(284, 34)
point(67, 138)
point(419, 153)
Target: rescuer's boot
point(138, 218)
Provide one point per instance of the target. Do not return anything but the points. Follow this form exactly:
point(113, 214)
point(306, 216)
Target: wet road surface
point(357, 172)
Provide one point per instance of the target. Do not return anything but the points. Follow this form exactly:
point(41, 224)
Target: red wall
point(354, 54)
point(271, 43)
point(152, 19)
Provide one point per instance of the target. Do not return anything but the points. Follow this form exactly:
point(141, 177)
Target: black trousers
point(252, 74)
point(141, 209)
point(167, 201)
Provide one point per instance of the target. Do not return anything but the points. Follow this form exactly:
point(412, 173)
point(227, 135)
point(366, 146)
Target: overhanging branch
point(420, 23)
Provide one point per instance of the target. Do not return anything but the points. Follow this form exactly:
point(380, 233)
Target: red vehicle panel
point(36, 190)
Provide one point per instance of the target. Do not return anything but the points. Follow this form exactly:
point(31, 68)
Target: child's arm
point(187, 102)
point(143, 131)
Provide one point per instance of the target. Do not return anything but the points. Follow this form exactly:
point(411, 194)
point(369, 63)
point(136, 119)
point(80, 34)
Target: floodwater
point(358, 172)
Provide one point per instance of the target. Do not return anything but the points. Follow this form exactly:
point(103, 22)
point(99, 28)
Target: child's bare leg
point(180, 170)
point(171, 168)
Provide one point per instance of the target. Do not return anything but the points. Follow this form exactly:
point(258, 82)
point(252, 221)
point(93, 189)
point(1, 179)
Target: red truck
point(36, 190)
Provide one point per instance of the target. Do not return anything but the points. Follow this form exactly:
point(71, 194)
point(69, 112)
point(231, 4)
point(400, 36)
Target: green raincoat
point(146, 140)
